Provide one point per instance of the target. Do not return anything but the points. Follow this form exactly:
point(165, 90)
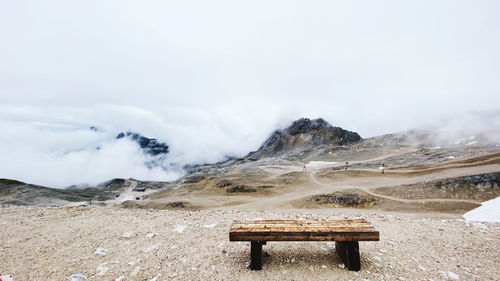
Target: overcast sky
point(222, 74)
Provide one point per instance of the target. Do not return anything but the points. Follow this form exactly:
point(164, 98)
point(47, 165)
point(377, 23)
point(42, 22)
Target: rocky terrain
point(304, 166)
point(480, 187)
point(302, 136)
point(97, 243)
point(149, 146)
point(288, 172)
point(114, 191)
point(126, 229)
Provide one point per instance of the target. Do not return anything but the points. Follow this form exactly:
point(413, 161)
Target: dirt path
point(296, 189)
point(278, 170)
point(128, 194)
point(365, 189)
point(366, 184)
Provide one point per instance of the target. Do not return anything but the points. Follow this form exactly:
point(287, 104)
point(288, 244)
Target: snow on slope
point(320, 164)
point(488, 211)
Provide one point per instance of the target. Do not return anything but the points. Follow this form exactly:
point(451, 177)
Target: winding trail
point(295, 188)
point(129, 191)
point(313, 178)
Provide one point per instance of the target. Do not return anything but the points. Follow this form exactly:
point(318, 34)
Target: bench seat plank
point(301, 230)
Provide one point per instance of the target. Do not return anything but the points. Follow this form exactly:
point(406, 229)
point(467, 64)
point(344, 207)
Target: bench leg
point(256, 255)
point(349, 253)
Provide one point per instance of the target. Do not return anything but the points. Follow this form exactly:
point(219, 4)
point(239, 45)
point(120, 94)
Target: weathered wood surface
point(299, 230)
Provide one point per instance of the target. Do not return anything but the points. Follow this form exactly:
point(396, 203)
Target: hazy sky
point(220, 75)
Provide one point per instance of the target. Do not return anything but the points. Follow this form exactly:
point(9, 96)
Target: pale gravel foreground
point(52, 243)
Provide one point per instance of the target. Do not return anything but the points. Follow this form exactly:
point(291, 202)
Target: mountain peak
point(305, 134)
point(306, 125)
point(150, 146)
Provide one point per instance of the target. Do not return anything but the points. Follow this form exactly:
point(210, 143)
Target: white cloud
point(214, 78)
point(60, 156)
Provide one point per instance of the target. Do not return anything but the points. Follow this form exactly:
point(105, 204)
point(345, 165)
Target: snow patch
point(319, 164)
point(129, 198)
point(489, 211)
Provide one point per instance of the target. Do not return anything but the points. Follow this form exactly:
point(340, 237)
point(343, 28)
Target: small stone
point(293, 260)
point(102, 269)
point(121, 278)
point(324, 266)
point(6, 277)
point(151, 235)
point(341, 265)
point(77, 277)
point(136, 270)
point(100, 251)
point(179, 228)
point(127, 235)
point(311, 268)
point(453, 275)
point(150, 248)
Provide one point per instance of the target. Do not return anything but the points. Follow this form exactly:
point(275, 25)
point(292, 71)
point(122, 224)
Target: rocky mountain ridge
point(280, 163)
point(149, 146)
point(304, 134)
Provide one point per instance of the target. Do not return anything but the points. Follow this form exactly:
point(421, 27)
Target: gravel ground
point(104, 243)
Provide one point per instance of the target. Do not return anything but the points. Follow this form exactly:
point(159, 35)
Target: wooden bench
point(345, 233)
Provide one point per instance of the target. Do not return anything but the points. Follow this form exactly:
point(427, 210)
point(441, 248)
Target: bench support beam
point(349, 253)
point(256, 255)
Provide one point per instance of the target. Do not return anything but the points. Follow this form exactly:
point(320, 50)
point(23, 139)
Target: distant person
point(304, 169)
point(382, 167)
point(345, 166)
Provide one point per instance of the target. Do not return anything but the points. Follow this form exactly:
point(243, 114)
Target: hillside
point(303, 166)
